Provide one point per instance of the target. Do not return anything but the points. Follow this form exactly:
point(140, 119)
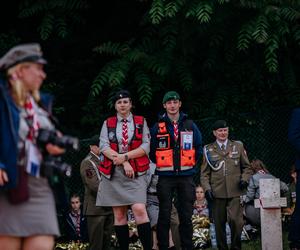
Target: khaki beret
point(30, 52)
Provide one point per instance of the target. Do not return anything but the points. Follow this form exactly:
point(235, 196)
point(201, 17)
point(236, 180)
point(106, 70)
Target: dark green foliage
point(192, 47)
point(222, 56)
point(57, 15)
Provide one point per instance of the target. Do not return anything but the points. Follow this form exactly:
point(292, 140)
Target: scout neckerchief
point(124, 135)
point(34, 156)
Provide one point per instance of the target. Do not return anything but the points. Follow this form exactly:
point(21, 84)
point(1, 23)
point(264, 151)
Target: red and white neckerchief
point(124, 135)
point(31, 119)
point(175, 126)
point(77, 223)
point(34, 157)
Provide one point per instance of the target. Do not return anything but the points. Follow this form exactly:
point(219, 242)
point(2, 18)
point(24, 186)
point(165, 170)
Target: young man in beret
point(225, 172)
point(99, 219)
point(175, 148)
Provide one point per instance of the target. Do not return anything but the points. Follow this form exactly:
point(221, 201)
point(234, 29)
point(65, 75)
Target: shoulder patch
point(89, 173)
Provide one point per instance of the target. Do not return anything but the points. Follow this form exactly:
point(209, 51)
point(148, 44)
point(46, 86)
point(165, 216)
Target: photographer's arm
point(3, 177)
point(54, 150)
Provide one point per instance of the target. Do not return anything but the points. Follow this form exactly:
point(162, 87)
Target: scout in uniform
point(99, 219)
point(225, 172)
point(176, 144)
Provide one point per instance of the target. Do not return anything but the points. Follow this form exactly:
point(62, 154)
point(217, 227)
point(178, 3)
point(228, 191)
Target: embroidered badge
point(89, 173)
point(111, 135)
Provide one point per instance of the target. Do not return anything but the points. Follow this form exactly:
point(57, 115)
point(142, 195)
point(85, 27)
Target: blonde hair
point(18, 91)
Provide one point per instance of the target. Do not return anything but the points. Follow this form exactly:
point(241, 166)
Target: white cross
point(270, 204)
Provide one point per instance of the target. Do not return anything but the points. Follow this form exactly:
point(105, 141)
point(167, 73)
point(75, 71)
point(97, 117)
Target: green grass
point(256, 244)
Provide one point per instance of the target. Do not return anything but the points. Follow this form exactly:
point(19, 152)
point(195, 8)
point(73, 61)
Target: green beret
point(30, 52)
point(219, 124)
point(171, 95)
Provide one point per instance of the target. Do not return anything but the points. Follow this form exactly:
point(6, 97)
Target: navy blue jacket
point(197, 142)
point(9, 127)
point(294, 134)
point(70, 229)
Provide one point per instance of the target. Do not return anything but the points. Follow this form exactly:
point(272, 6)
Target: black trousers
point(294, 232)
point(185, 189)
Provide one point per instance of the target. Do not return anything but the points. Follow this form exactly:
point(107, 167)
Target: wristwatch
point(126, 157)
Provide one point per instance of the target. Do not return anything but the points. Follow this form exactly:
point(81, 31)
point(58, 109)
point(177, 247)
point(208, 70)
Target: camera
point(54, 163)
point(50, 136)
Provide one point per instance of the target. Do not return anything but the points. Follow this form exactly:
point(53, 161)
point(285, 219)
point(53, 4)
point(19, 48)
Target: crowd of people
point(130, 173)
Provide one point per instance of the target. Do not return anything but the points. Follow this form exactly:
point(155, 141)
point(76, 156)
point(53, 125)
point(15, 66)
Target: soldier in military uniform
point(225, 172)
point(99, 219)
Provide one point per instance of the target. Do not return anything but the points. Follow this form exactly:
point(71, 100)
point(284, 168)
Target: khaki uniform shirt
point(91, 181)
point(231, 165)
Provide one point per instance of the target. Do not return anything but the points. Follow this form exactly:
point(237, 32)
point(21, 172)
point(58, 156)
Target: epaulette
point(237, 142)
point(207, 145)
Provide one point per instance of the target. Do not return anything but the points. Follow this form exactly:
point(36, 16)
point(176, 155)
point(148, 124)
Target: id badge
point(186, 142)
point(34, 159)
point(163, 141)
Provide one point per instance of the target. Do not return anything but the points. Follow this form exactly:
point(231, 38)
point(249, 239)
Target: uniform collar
point(120, 118)
point(164, 117)
point(220, 143)
point(94, 155)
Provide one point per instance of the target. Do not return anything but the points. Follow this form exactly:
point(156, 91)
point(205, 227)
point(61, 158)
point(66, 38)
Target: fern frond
point(135, 55)
point(252, 4)
point(156, 12)
point(296, 33)
point(185, 77)
point(271, 58)
point(172, 8)
point(34, 9)
point(144, 88)
point(169, 36)
point(61, 27)
point(111, 48)
point(100, 80)
point(202, 11)
point(289, 13)
point(260, 33)
point(46, 26)
point(112, 74)
point(119, 70)
point(157, 65)
point(245, 36)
